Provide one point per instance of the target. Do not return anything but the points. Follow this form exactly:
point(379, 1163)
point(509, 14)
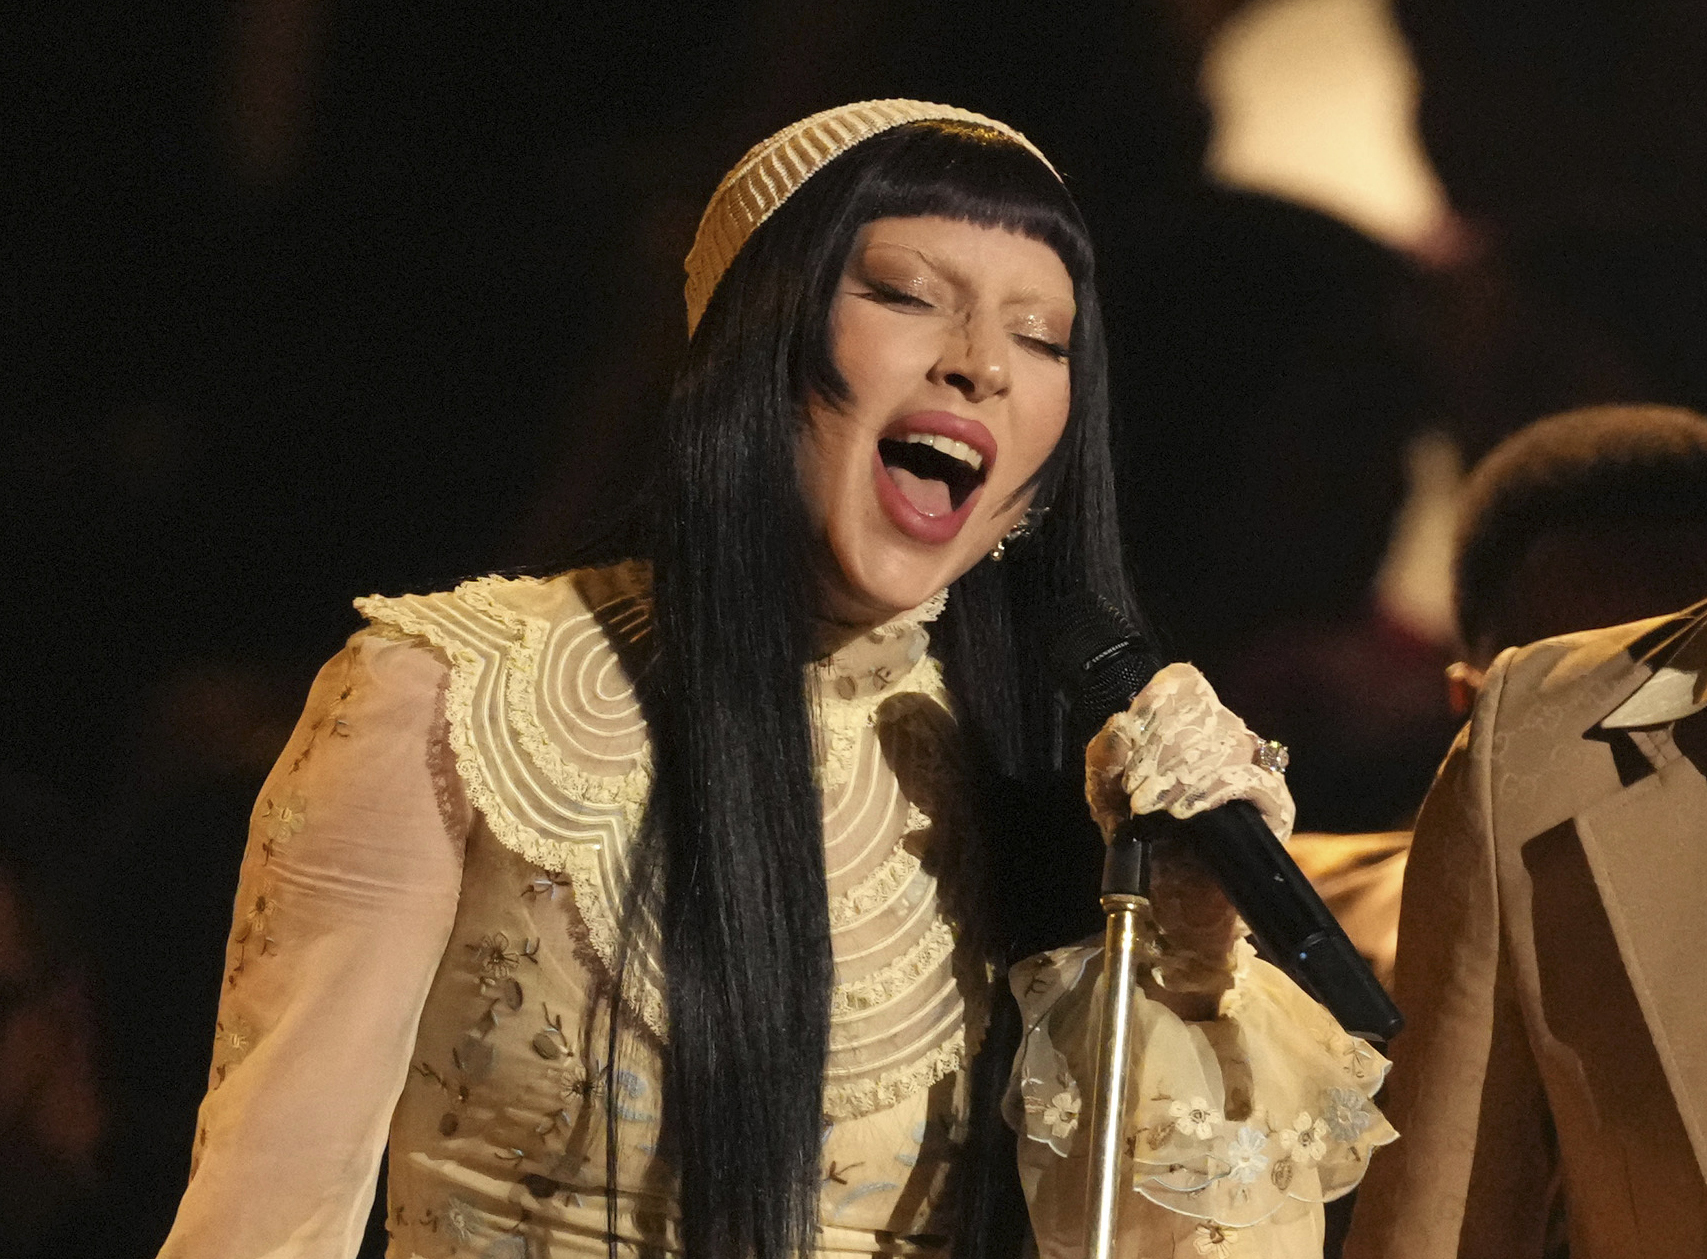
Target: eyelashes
point(893, 296)
point(890, 295)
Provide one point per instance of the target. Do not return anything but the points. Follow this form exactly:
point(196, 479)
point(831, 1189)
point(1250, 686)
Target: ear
point(1463, 684)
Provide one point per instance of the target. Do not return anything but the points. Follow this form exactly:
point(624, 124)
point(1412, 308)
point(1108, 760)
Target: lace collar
point(876, 660)
point(554, 754)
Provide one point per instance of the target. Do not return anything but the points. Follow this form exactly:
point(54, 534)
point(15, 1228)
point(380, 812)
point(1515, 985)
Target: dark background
point(314, 298)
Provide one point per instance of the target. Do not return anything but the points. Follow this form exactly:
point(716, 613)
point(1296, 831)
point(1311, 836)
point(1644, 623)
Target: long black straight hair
point(730, 860)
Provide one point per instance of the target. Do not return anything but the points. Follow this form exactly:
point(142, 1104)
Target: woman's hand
point(1179, 749)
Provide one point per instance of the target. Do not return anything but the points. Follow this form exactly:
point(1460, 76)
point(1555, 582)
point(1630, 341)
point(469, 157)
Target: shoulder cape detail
point(546, 731)
point(553, 751)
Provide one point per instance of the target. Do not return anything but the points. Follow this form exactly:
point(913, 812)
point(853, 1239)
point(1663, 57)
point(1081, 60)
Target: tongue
point(929, 497)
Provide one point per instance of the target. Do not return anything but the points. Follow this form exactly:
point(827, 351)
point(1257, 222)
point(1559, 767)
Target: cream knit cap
point(773, 169)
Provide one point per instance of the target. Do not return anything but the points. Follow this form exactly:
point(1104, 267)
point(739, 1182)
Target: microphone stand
point(1125, 882)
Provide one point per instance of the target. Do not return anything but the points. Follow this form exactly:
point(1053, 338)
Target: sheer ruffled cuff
point(1227, 1121)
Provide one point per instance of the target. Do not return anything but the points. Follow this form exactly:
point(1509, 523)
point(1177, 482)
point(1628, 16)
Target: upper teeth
point(950, 447)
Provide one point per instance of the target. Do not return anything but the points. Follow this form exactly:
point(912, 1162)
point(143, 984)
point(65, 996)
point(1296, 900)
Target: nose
point(974, 360)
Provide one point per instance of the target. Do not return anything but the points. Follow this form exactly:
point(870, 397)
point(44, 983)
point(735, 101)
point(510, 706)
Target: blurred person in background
point(1580, 521)
point(1552, 931)
point(1568, 139)
point(1577, 522)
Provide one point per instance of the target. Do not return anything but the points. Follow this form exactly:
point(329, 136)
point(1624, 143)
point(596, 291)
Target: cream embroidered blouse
point(427, 912)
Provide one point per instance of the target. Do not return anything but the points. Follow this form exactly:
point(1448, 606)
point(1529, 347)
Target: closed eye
point(1050, 348)
point(895, 297)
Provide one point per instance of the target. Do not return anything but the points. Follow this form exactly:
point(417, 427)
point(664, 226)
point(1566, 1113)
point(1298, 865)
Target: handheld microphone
point(1101, 662)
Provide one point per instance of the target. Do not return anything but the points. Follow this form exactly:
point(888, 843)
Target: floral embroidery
point(628, 1089)
point(339, 728)
point(459, 1220)
point(578, 1084)
point(1360, 1060)
point(1347, 1114)
point(1062, 1113)
point(259, 915)
point(547, 885)
point(256, 932)
point(282, 821)
point(1245, 1159)
point(1305, 1140)
point(494, 957)
point(549, 1042)
point(936, 1140)
point(1214, 1241)
point(1196, 1118)
point(235, 1036)
point(575, 1084)
point(861, 1192)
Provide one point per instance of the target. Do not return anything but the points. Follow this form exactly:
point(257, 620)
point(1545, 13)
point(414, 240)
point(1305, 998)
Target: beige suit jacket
point(1552, 963)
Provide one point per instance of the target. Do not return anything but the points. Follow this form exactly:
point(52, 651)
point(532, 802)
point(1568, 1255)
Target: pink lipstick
point(929, 469)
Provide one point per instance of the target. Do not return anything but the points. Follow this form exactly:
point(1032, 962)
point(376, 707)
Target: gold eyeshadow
point(906, 271)
point(1041, 327)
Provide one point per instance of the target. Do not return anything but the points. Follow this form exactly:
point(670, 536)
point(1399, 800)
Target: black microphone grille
point(1085, 625)
point(1098, 659)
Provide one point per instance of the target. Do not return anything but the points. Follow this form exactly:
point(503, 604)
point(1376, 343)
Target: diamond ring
point(1271, 754)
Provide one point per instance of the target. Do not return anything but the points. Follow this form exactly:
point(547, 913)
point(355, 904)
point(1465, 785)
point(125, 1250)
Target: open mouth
point(935, 473)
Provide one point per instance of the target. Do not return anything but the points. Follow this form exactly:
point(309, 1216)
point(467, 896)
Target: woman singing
point(664, 907)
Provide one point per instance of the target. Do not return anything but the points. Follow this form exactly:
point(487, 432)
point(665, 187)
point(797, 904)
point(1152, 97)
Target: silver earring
point(1024, 529)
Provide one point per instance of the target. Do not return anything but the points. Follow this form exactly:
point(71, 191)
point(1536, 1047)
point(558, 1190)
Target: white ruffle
point(1228, 1121)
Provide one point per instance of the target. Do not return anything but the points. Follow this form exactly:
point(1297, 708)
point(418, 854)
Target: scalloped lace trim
point(907, 622)
point(860, 996)
point(578, 861)
point(628, 791)
point(865, 1097)
point(875, 890)
point(842, 721)
point(465, 669)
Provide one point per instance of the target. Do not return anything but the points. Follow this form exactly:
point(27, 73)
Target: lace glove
point(1179, 749)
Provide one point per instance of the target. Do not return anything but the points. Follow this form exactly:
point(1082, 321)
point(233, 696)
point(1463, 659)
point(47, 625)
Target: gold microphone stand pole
point(1125, 882)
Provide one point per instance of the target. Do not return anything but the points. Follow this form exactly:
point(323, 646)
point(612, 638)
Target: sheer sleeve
point(1247, 1105)
point(347, 896)
point(1237, 1128)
